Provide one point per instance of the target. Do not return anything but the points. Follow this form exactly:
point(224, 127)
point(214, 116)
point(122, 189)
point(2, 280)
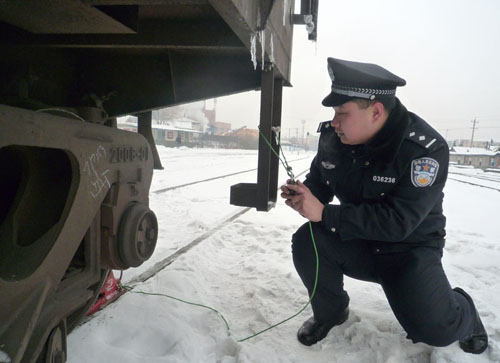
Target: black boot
point(477, 341)
point(312, 331)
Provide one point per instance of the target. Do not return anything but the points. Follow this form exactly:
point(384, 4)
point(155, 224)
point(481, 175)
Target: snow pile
point(245, 271)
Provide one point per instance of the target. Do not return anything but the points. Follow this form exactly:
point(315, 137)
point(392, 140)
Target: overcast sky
point(448, 51)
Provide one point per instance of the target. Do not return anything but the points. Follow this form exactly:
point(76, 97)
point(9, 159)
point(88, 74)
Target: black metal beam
point(168, 79)
point(145, 2)
point(54, 17)
point(276, 124)
point(198, 77)
point(265, 127)
point(265, 7)
point(213, 34)
point(132, 83)
point(144, 121)
point(263, 195)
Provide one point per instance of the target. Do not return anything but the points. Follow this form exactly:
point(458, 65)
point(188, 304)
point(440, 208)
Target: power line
point(466, 128)
point(486, 121)
point(452, 119)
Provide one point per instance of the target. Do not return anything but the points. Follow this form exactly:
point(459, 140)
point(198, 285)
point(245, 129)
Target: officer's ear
point(378, 111)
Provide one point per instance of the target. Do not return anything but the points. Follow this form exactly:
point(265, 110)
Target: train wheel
point(55, 349)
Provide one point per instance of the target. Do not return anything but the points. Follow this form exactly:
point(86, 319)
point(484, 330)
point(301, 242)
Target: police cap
point(359, 80)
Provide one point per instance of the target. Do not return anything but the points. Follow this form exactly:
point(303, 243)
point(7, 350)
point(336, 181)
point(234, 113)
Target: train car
point(74, 188)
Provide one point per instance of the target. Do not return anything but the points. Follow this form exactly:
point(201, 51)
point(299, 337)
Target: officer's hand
point(304, 202)
point(287, 193)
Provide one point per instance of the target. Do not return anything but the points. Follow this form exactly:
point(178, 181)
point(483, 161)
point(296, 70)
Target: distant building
point(478, 157)
point(210, 112)
point(475, 144)
point(166, 132)
point(219, 128)
point(243, 131)
point(246, 138)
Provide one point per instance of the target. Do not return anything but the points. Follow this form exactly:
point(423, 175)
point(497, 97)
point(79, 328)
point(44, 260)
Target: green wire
point(130, 288)
point(310, 299)
point(285, 163)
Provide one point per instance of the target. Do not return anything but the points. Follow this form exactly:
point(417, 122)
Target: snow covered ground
point(245, 271)
point(472, 175)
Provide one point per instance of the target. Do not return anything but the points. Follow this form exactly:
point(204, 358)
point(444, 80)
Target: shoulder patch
point(424, 172)
point(428, 139)
point(323, 126)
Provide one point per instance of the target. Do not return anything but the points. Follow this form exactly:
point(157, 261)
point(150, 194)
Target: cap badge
point(424, 172)
point(330, 72)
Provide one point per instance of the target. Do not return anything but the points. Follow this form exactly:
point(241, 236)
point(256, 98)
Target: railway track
point(475, 184)
point(163, 190)
point(481, 177)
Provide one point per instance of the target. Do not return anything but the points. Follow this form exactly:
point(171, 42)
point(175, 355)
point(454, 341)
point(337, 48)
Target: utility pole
point(303, 142)
point(474, 122)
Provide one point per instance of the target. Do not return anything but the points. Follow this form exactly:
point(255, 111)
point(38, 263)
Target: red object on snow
point(111, 290)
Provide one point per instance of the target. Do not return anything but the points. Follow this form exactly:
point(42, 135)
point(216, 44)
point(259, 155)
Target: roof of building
point(174, 128)
point(241, 132)
point(462, 150)
point(179, 119)
point(130, 126)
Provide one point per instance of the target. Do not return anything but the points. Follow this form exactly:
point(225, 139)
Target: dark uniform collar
point(385, 144)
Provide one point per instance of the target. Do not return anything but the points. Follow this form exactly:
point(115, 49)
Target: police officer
point(388, 168)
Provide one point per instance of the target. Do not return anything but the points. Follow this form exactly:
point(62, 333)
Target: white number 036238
point(383, 179)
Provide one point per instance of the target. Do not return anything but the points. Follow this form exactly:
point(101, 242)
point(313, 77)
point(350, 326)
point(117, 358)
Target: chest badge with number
point(384, 179)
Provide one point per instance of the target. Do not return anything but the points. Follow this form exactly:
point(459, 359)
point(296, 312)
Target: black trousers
point(412, 278)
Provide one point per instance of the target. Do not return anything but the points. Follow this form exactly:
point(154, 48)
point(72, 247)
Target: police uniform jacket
point(390, 189)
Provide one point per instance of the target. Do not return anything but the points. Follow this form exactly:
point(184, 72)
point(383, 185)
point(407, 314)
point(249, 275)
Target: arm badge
point(424, 172)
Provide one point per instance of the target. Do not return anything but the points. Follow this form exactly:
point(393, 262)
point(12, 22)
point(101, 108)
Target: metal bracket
point(263, 195)
point(144, 128)
point(308, 16)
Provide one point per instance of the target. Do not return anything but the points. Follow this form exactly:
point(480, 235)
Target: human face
point(352, 124)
